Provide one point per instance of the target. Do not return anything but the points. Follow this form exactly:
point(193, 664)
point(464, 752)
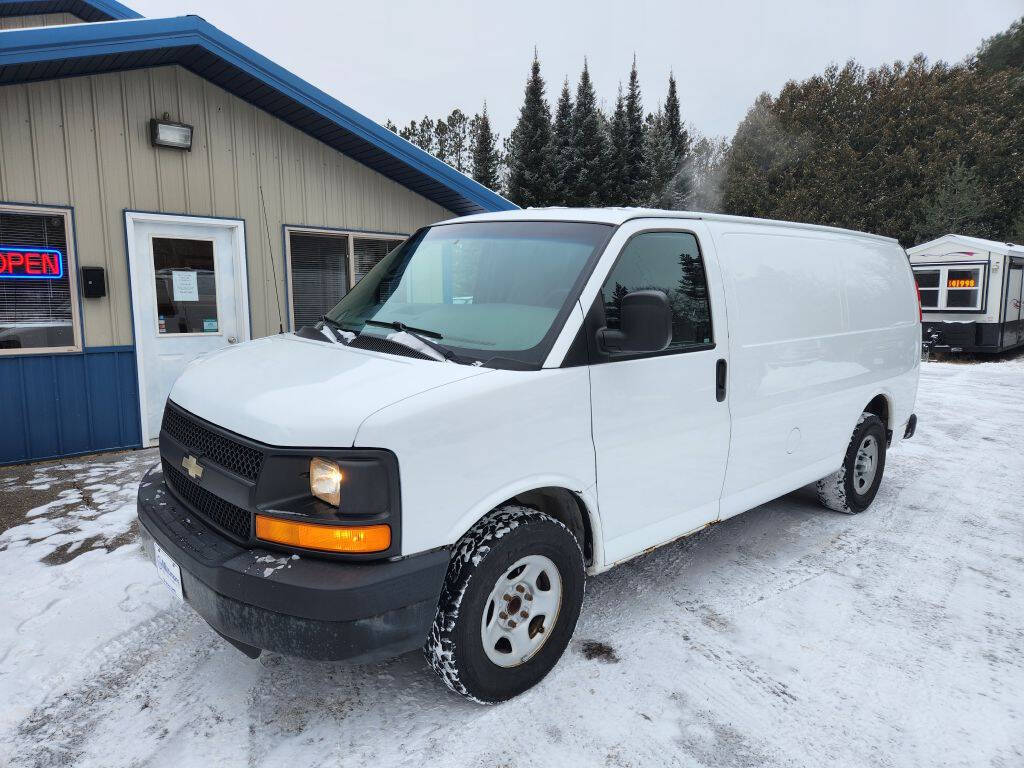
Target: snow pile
point(787, 636)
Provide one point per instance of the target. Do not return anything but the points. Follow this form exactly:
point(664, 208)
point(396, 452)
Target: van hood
point(292, 392)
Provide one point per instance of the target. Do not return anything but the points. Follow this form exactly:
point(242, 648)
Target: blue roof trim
point(89, 10)
point(79, 49)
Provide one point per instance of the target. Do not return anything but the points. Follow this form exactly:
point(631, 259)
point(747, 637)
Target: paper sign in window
point(186, 285)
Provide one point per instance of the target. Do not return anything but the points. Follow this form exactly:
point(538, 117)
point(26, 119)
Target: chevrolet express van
point(511, 402)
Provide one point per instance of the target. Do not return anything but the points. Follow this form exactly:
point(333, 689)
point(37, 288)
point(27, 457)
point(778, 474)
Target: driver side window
point(668, 262)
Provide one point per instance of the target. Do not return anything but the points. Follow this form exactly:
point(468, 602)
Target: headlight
point(325, 480)
point(344, 500)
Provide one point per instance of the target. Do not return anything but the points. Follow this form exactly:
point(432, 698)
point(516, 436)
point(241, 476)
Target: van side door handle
point(720, 379)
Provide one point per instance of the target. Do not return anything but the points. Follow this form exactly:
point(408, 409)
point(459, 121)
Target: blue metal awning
point(46, 53)
point(87, 10)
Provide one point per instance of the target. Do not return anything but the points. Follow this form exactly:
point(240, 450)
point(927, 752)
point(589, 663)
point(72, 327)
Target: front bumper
point(298, 606)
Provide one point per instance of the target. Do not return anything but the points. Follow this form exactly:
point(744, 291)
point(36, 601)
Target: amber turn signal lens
point(326, 538)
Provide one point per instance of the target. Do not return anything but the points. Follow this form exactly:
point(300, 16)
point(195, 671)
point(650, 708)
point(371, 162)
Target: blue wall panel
point(75, 434)
point(12, 411)
point(61, 405)
point(42, 407)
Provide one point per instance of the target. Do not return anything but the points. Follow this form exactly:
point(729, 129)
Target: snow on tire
point(488, 556)
point(853, 487)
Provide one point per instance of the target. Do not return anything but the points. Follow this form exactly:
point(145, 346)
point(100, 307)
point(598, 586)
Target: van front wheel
point(509, 605)
point(853, 487)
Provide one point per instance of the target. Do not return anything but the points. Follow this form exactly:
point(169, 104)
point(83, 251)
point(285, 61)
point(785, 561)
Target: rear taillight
point(920, 312)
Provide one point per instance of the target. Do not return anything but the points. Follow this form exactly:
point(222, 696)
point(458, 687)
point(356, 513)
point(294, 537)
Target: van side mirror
point(645, 324)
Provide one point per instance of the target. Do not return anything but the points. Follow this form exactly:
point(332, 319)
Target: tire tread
point(470, 551)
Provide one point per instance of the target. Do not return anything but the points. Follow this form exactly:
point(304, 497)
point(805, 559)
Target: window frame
point(943, 268)
point(67, 213)
point(156, 297)
point(595, 318)
point(350, 267)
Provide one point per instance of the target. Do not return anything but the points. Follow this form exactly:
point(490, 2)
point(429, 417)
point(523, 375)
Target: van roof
point(978, 243)
point(618, 216)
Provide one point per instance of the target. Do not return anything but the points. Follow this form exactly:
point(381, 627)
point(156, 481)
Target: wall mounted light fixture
point(164, 133)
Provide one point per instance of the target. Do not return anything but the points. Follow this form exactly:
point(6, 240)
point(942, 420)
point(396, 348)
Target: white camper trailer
point(971, 292)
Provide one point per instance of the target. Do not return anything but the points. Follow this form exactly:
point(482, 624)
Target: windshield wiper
point(421, 334)
point(335, 324)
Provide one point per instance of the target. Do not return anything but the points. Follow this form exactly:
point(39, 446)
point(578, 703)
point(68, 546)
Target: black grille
point(380, 344)
point(223, 514)
point(240, 459)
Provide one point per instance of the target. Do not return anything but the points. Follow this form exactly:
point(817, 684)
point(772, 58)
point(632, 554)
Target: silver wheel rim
point(521, 611)
point(866, 464)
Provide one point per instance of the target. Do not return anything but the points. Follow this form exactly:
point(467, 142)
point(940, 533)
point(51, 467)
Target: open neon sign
point(30, 263)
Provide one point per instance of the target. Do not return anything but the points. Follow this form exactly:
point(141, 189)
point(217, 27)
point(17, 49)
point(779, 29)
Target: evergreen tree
point(561, 169)
point(458, 140)
point(677, 133)
point(410, 131)
point(1016, 232)
point(590, 158)
point(486, 158)
point(959, 205)
point(704, 171)
point(529, 181)
point(619, 176)
point(1003, 51)
point(442, 142)
point(635, 174)
point(693, 285)
point(391, 126)
point(660, 162)
point(423, 135)
point(875, 150)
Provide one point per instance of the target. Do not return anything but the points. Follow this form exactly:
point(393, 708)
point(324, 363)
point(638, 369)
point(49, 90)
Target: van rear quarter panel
point(819, 324)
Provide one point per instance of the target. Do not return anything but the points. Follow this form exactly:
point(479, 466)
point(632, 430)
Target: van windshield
point(489, 289)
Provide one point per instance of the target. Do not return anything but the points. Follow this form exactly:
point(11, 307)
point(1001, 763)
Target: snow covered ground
point(788, 636)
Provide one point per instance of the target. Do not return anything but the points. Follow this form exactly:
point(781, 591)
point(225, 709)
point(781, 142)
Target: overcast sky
point(401, 60)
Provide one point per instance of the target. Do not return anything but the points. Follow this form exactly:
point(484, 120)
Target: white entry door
point(189, 296)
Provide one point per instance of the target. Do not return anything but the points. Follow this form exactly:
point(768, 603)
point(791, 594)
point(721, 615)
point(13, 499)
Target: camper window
point(953, 287)
point(928, 285)
point(963, 289)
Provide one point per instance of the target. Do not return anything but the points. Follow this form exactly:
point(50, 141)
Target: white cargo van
point(508, 403)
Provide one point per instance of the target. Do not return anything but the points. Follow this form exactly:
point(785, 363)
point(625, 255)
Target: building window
point(324, 264)
point(669, 262)
point(955, 287)
point(367, 251)
point(38, 294)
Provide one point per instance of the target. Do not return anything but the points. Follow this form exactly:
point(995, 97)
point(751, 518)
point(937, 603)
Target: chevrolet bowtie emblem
point(191, 465)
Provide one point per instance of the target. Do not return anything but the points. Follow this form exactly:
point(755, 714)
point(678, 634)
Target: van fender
point(586, 493)
point(886, 393)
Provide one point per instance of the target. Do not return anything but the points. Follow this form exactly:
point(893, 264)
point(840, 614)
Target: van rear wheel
point(509, 605)
point(853, 487)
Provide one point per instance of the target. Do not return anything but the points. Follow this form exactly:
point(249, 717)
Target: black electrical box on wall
point(94, 282)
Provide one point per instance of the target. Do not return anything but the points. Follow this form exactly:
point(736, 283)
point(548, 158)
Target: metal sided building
point(165, 191)
point(971, 293)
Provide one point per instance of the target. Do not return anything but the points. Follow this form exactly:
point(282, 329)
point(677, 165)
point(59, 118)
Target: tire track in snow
point(58, 732)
